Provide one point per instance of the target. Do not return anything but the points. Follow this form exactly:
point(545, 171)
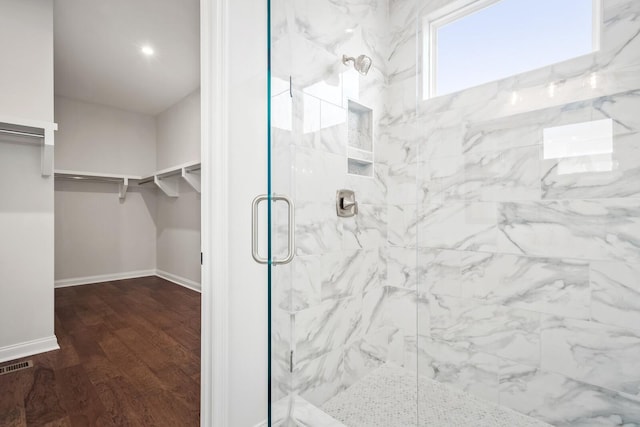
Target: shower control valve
point(346, 205)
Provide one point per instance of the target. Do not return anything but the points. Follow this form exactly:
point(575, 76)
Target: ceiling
point(98, 54)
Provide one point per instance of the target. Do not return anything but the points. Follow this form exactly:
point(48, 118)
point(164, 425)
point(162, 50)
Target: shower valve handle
point(350, 203)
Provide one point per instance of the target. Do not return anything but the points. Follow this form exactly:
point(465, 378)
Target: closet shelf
point(121, 180)
point(190, 172)
point(32, 130)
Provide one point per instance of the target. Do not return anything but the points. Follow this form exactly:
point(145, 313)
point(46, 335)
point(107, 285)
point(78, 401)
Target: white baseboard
point(79, 281)
point(29, 348)
point(103, 278)
point(189, 284)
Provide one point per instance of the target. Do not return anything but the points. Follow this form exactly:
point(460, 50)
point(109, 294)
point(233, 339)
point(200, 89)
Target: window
point(470, 43)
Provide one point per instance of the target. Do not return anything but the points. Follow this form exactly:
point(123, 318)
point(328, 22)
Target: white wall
point(98, 138)
point(96, 233)
point(178, 132)
point(26, 205)
point(26, 45)
point(99, 237)
point(178, 225)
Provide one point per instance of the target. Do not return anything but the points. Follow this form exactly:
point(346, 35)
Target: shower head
point(362, 63)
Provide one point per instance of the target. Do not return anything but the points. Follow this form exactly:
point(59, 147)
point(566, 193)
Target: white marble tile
point(458, 225)
point(506, 175)
point(587, 229)
point(401, 267)
point(598, 176)
point(294, 409)
point(398, 144)
point(374, 334)
point(401, 184)
point(360, 358)
point(350, 273)
point(439, 272)
point(318, 229)
point(318, 175)
point(512, 174)
point(281, 379)
point(440, 142)
point(545, 285)
point(475, 373)
point(332, 139)
point(306, 282)
point(442, 179)
point(282, 112)
point(282, 158)
point(615, 298)
point(368, 190)
point(602, 355)
point(368, 229)
point(401, 101)
point(402, 225)
point(501, 331)
point(326, 327)
point(561, 401)
point(310, 114)
point(504, 133)
point(621, 108)
point(317, 380)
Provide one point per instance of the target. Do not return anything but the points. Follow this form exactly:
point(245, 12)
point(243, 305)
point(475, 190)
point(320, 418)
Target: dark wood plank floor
point(129, 356)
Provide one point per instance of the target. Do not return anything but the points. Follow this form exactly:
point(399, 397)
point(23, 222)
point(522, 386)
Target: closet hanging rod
point(88, 178)
point(20, 133)
point(146, 181)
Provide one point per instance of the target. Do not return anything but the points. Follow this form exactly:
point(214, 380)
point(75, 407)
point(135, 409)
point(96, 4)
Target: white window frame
point(459, 9)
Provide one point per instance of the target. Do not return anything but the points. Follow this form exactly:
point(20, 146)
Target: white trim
point(214, 407)
point(182, 281)
point(29, 348)
point(598, 14)
point(79, 281)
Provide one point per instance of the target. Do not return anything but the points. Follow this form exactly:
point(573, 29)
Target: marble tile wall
point(332, 302)
point(475, 259)
point(529, 265)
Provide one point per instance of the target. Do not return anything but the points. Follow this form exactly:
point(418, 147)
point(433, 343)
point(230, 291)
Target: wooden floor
point(129, 356)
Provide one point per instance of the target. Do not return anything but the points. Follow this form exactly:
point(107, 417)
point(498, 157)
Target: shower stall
point(483, 267)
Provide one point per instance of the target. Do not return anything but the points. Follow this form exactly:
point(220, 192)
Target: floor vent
point(16, 367)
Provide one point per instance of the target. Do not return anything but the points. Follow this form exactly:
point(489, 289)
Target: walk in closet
point(127, 156)
point(100, 180)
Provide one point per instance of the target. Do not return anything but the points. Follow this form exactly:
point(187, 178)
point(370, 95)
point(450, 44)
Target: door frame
point(215, 221)
point(234, 53)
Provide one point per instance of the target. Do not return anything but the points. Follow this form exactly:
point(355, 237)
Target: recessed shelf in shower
point(359, 140)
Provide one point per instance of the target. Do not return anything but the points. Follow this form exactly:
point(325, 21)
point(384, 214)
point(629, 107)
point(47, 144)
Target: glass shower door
point(343, 311)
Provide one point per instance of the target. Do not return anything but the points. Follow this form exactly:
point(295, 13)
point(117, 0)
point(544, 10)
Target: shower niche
point(359, 140)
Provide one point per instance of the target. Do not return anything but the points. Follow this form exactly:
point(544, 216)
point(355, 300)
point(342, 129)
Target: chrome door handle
point(291, 245)
point(254, 229)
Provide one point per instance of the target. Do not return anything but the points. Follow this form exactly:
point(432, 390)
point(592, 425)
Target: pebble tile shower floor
point(387, 398)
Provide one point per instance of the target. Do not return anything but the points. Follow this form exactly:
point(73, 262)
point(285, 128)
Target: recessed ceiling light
point(147, 50)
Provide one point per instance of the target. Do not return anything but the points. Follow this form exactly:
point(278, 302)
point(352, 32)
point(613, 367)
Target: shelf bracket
point(192, 178)
point(168, 187)
point(47, 152)
point(124, 186)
